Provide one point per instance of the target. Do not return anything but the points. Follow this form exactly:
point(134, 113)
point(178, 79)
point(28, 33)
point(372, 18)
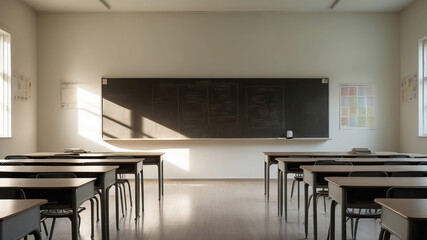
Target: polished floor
point(213, 209)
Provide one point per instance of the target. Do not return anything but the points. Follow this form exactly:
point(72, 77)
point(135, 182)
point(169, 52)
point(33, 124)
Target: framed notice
point(357, 106)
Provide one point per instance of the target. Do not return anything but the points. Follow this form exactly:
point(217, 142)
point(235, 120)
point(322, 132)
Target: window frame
point(5, 86)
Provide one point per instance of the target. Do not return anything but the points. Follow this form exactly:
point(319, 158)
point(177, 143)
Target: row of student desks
point(341, 186)
point(97, 172)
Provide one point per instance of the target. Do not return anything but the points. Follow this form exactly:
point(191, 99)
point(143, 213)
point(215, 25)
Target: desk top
point(74, 160)
point(63, 169)
point(44, 182)
point(340, 154)
point(411, 209)
point(10, 208)
point(371, 168)
point(372, 182)
point(352, 159)
point(95, 154)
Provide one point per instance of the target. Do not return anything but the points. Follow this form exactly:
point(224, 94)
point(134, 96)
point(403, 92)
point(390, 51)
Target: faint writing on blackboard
point(265, 107)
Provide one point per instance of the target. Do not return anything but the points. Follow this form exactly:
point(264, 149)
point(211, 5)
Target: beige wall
point(20, 21)
point(347, 48)
point(413, 27)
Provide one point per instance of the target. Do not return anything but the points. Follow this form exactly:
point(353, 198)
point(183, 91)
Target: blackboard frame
point(189, 121)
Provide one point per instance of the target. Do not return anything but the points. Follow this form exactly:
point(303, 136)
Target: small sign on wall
point(21, 87)
point(409, 88)
point(69, 94)
point(357, 106)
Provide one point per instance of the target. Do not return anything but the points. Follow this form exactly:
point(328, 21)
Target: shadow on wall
point(90, 127)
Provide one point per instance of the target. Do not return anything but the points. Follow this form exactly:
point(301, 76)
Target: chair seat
point(299, 178)
point(58, 213)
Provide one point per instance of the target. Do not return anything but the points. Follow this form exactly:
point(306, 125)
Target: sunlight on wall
point(178, 157)
point(89, 118)
point(117, 119)
point(90, 127)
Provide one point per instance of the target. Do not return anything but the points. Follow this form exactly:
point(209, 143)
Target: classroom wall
point(83, 48)
point(413, 27)
point(20, 21)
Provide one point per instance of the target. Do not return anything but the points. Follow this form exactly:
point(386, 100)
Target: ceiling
point(219, 5)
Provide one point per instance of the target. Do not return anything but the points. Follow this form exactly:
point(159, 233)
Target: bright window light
point(5, 85)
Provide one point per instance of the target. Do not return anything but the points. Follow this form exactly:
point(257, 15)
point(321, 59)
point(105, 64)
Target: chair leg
point(124, 196)
point(324, 203)
point(121, 200)
point(130, 194)
point(355, 228)
point(292, 188)
point(298, 195)
point(45, 228)
point(97, 208)
point(52, 228)
point(92, 212)
point(80, 221)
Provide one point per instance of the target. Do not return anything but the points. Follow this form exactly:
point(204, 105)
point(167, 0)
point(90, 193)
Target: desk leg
point(104, 211)
point(332, 223)
point(163, 180)
point(74, 220)
point(267, 179)
point(314, 212)
point(343, 215)
point(142, 189)
point(116, 186)
point(306, 209)
point(137, 201)
point(285, 191)
point(279, 193)
point(159, 176)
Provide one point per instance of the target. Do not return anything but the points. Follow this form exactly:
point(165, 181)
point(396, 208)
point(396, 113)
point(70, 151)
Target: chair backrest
point(365, 156)
point(331, 162)
point(16, 157)
point(12, 193)
point(367, 174)
point(12, 164)
point(396, 163)
point(399, 156)
point(61, 157)
point(407, 192)
point(422, 163)
point(56, 175)
point(409, 174)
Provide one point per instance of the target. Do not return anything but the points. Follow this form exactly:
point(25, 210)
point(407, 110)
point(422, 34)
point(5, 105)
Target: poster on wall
point(409, 88)
point(21, 87)
point(357, 106)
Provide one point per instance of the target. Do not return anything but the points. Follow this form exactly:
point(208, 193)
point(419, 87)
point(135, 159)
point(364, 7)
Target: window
point(5, 84)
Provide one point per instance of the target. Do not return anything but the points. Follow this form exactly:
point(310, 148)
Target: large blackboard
point(153, 108)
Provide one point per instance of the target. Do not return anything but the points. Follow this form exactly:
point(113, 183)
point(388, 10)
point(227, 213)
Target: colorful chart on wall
point(357, 106)
point(409, 88)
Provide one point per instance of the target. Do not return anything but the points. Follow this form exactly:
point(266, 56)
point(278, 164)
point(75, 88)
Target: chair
point(363, 213)
point(409, 174)
point(403, 192)
point(422, 163)
point(61, 156)
point(54, 212)
point(299, 177)
point(122, 182)
point(324, 192)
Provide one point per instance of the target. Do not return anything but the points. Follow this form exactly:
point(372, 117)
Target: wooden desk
point(150, 158)
point(20, 217)
point(271, 158)
point(105, 179)
point(126, 166)
point(360, 192)
point(70, 192)
point(315, 176)
point(404, 218)
point(292, 165)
